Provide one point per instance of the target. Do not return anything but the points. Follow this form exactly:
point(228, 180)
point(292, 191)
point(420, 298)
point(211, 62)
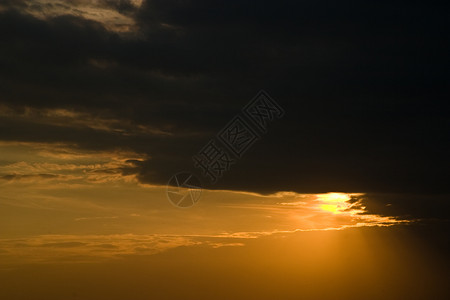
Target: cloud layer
point(363, 84)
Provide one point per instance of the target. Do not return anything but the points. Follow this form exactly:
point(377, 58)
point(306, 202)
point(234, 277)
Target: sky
point(338, 188)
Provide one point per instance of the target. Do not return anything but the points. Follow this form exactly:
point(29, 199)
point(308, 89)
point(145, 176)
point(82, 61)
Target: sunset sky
point(342, 193)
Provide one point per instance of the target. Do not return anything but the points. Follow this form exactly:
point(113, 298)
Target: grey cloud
point(363, 84)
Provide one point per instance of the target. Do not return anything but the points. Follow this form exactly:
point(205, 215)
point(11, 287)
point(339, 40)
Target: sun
point(336, 203)
point(335, 209)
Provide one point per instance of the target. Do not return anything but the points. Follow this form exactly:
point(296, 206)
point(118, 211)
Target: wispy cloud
point(40, 162)
point(114, 15)
point(60, 117)
point(51, 248)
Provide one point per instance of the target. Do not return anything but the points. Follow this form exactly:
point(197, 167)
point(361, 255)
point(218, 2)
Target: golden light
point(336, 203)
point(332, 208)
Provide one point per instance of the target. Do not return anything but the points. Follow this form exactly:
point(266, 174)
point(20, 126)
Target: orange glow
point(337, 203)
point(332, 208)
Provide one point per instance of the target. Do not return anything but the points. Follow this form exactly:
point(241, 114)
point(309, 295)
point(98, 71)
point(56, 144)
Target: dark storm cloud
point(12, 3)
point(408, 206)
point(122, 6)
point(364, 85)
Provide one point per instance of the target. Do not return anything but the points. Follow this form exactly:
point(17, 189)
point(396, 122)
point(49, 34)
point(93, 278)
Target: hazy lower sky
point(336, 187)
